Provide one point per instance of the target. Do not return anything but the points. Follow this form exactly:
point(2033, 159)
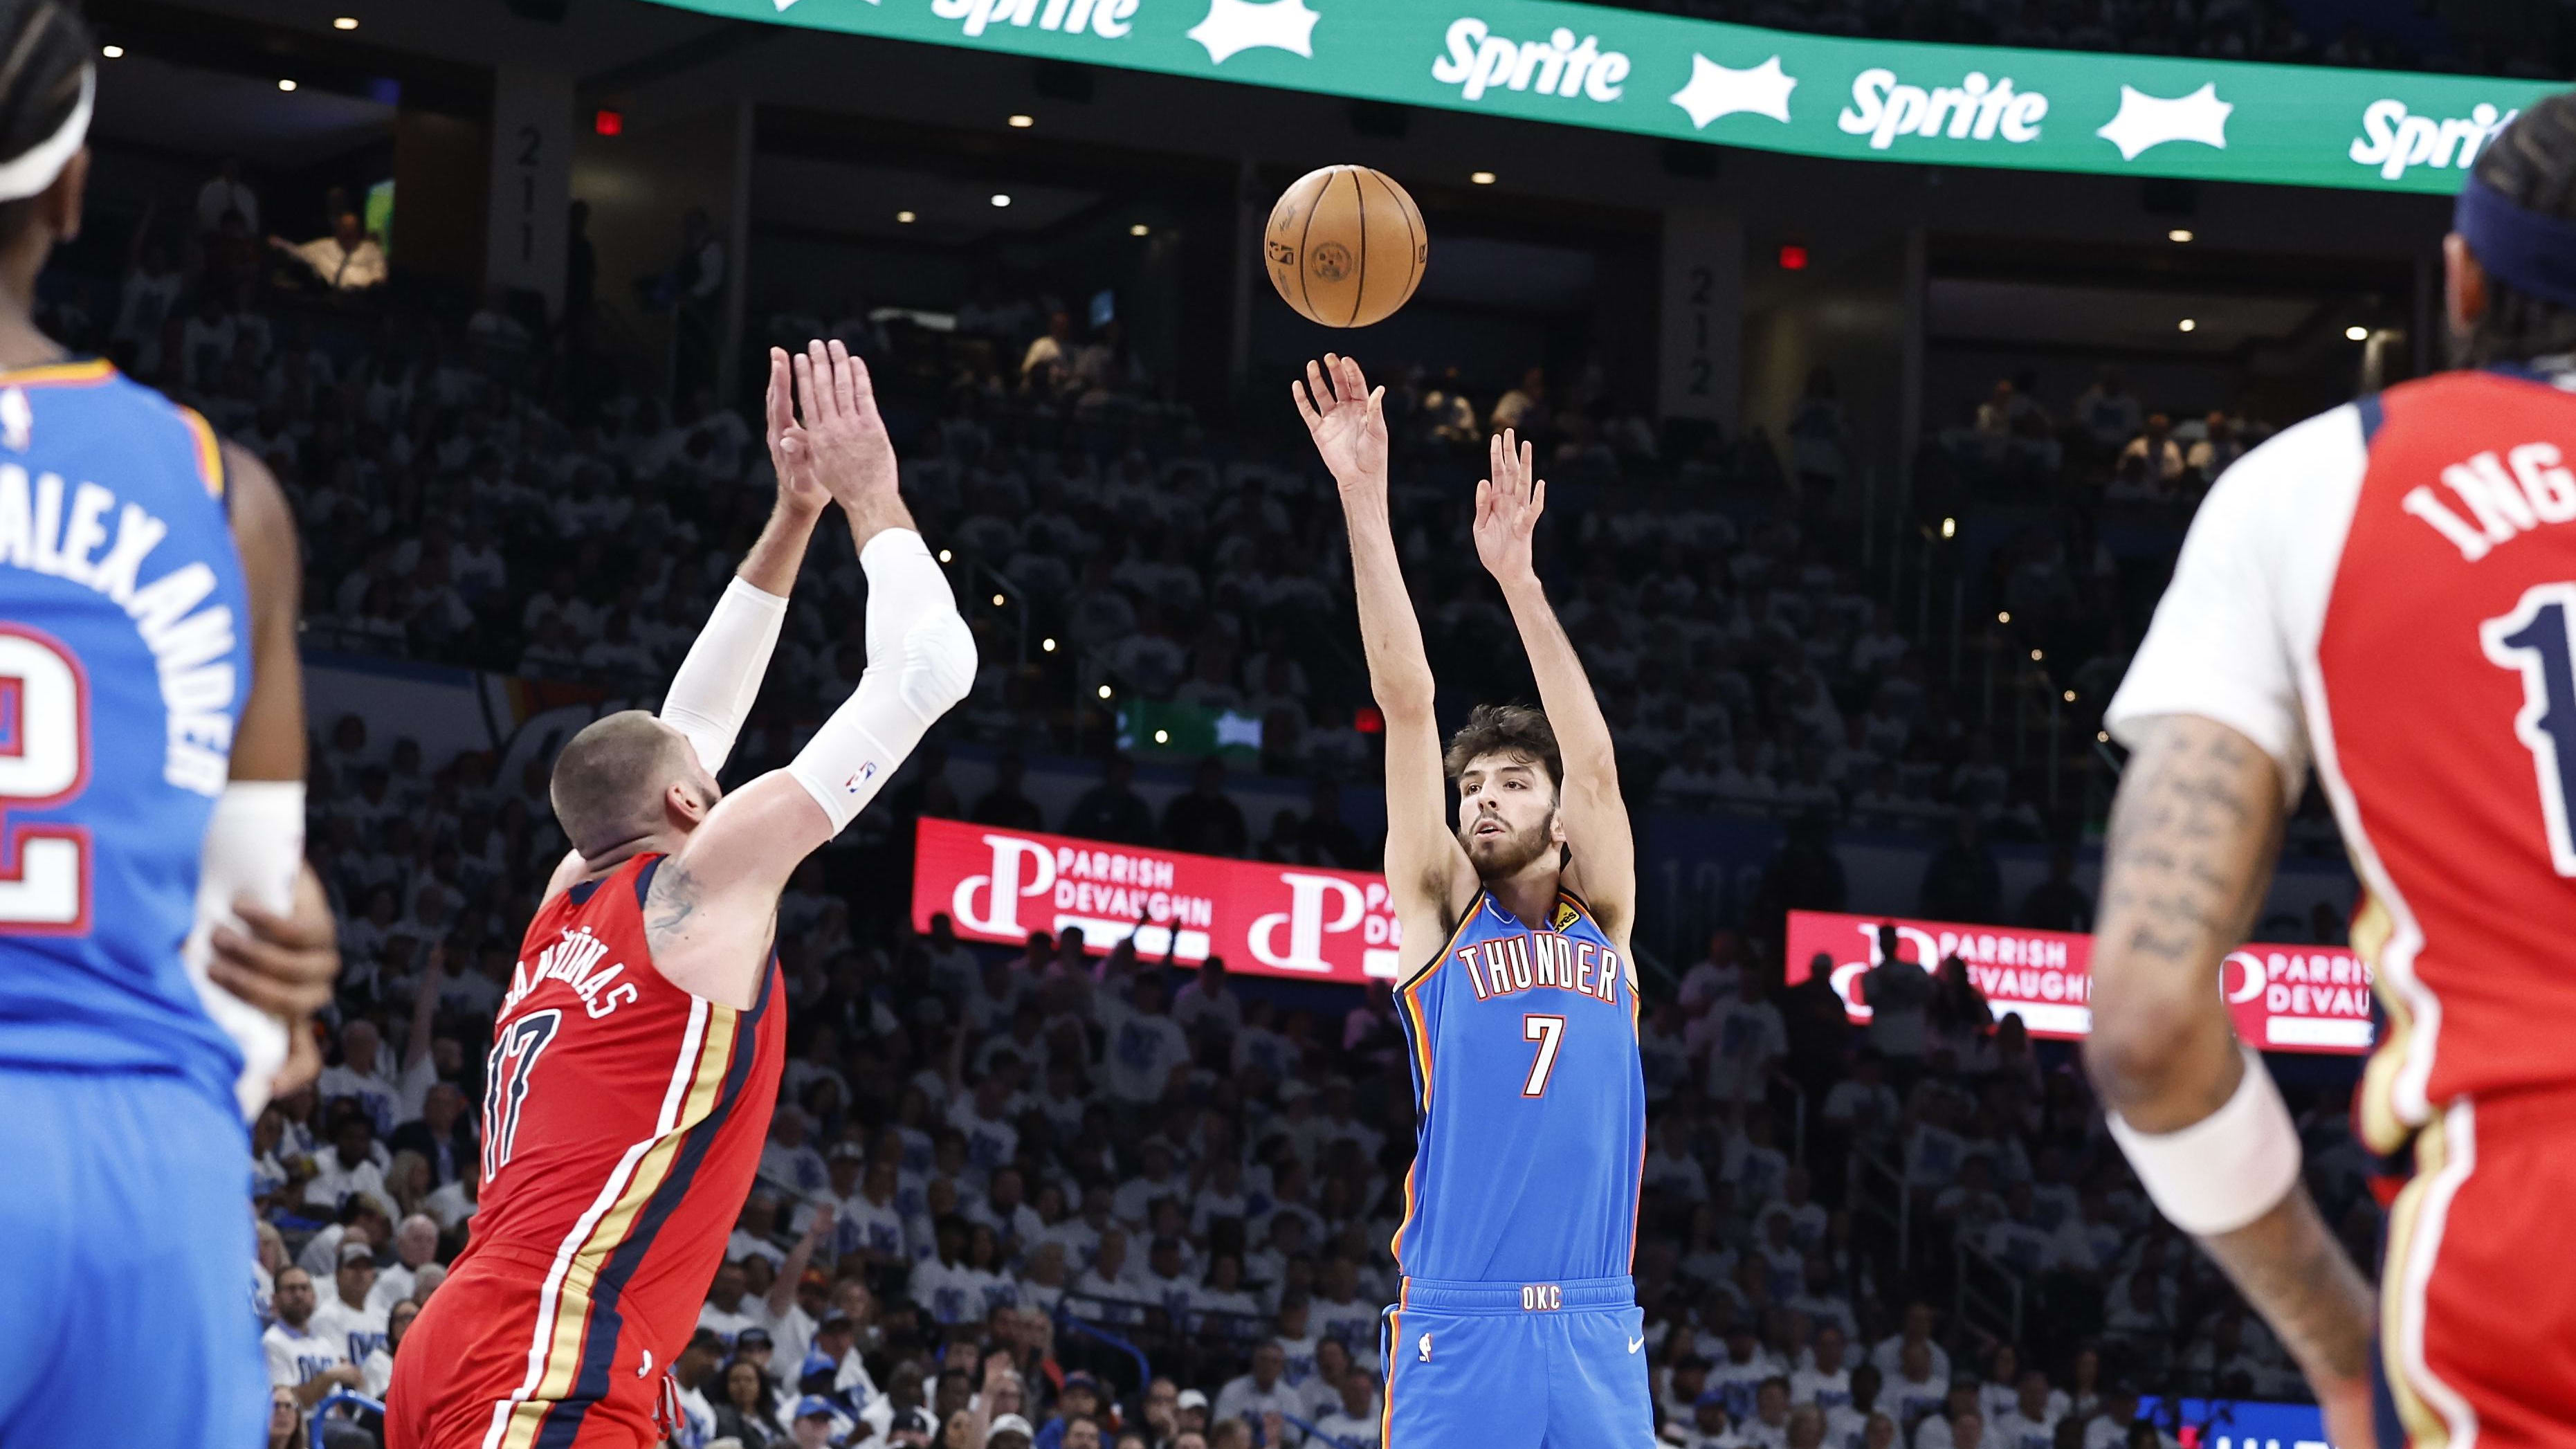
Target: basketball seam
point(1359, 208)
point(1411, 244)
point(1305, 262)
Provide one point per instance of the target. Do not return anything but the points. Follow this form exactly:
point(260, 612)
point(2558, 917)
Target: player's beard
point(1501, 857)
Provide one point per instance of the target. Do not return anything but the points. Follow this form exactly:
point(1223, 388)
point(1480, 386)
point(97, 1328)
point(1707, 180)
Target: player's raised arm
point(719, 681)
point(2193, 834)
point(1603, 870)
point(1426, 871)
point(713, 906)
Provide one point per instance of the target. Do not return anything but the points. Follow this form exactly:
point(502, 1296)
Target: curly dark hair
point(2533, 165)
point(1505, 729)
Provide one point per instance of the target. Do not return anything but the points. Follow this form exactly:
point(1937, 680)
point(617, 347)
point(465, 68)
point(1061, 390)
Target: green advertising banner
point(1810, 95)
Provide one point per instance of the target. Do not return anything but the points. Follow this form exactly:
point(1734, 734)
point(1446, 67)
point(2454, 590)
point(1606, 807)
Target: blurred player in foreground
point(636, 1057)
point(2385, 591)
point(151, 809)
point(1518, 1325)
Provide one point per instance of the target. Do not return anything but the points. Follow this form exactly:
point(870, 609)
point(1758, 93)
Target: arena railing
point(338, 1399)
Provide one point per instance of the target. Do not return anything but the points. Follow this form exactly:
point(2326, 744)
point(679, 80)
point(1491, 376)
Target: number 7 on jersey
point(1549, 1033)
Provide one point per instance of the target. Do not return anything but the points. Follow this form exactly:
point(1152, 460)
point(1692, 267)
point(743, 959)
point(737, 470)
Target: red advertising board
point(2284, 998)
point(1271, 920)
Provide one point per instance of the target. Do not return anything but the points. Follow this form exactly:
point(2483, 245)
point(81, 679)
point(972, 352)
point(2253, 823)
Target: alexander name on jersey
point(1509, 965)
point(575, 961)
point(188, 643)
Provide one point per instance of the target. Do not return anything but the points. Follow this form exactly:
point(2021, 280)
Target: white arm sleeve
point(717, 683)
point(921, 662)
point(254, 844)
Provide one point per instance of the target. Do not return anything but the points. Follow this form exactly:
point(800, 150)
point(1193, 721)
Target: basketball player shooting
point(1518, 1325)
point(2386, 591)
point(636, 1057)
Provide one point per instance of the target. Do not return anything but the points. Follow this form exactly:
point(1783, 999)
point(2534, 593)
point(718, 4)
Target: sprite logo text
point(1884, 108)
point(1481, 61)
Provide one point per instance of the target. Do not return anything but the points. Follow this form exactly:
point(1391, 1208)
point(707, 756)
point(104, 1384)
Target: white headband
point(31, 173)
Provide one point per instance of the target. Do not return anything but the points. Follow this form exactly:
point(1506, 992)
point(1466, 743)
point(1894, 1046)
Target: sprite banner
point(1811, 95)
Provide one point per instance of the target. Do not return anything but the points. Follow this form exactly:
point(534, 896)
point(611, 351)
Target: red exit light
point(1793, 259)
point(608, 123)
point(1368, 721)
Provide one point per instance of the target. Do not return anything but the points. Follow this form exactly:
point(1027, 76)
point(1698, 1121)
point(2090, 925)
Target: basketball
point(1346, 246)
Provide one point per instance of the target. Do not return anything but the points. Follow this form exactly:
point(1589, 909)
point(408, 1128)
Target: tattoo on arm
point(2192, 837)
point(2297, 1274)
point(672, 901)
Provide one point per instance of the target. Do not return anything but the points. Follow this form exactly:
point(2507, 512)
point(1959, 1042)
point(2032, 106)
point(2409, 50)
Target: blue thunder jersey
point(124, 662)
point(1531, 1101)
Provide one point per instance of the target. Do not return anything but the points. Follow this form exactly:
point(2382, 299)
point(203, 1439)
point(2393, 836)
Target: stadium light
point(1140, 229)
point(345, 22)
point(943, 555)
point(2070, 696)
point(112, 52)
point(1023, 122)
point(2103, 735)
point(1001, 198)
point(1949, 528)
point(1047, 644)
point(999, 601)
point(1482, 178)
point(2188, 324)
point(1162, 737)
point(906, 218)
point(2356, 333)
point(286, 85)
point(2003, 616)
point(2179, 234)
point(2034, 656)
point(1104, 691)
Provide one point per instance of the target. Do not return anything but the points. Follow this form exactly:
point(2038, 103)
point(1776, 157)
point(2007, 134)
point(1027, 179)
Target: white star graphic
point(2147, 121)
point(1716, 91)
point(1233, 26)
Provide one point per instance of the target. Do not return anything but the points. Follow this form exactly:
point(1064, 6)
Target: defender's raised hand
point(1347, 420)
point(1508, 505)
point(791, 452)
point(845, 439)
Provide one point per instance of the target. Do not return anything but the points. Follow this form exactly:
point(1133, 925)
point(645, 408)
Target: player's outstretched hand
point(1508, 505)
point(2350, 1422)
point(282, 964)
point(1347, 420)
point(843, 440)
point(791, 452)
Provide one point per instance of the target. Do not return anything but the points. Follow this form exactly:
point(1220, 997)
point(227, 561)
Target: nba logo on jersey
point(17, 420)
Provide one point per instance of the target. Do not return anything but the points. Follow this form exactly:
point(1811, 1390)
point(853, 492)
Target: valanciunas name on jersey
point(574, 961)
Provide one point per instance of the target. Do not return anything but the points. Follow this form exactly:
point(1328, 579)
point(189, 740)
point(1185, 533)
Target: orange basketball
point(1346, 246)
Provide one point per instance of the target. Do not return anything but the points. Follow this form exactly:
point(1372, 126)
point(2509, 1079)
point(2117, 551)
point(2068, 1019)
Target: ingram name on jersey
point(124, 662)
point(1531, 1100)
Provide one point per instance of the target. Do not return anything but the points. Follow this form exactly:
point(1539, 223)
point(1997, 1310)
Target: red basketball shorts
point(2478, 1292)
point(492, 1363)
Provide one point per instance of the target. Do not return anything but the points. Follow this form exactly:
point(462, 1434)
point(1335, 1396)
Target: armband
point(2228, 1168)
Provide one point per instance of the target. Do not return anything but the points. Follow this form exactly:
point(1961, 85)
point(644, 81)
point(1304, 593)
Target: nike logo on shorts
point(1636, 1343)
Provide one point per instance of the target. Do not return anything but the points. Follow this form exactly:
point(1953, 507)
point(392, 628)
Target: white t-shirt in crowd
point(298, 1356)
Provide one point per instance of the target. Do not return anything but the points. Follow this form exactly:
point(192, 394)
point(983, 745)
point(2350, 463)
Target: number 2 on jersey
point(44, 762)
point(1549, 1033)
point(505, 1083)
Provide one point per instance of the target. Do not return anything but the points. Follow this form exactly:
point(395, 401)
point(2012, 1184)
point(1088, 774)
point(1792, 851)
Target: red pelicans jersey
point(623, 1120)
point(2389, 590)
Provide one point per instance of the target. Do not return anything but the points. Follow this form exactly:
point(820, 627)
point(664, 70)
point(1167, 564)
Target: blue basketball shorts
point(1517, 1366)
point(125, 1311)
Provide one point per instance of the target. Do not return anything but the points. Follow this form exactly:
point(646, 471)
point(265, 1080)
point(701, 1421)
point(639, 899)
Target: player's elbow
point(939, 663)
point(1403, 696)
point(2138, 1042)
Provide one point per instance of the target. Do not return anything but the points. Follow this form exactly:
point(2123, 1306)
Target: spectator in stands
point(1205, 820)
point(1962, 882)
point(313, 1364)
point(1111, 810)
point(345, 261)
point(1004, 805)
point(227, 192)
point(2057, 903)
